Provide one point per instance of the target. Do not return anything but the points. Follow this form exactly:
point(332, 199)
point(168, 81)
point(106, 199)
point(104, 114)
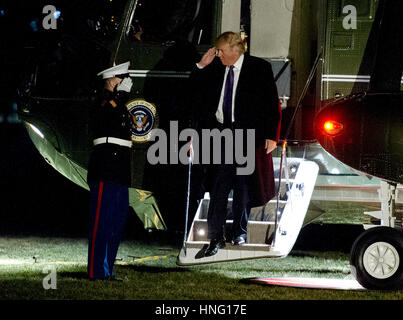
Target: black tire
point(374, 251)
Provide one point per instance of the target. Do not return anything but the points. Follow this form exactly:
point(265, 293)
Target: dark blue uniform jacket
point(110, 162)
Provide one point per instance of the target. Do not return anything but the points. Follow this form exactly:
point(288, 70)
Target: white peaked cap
point(115, 71)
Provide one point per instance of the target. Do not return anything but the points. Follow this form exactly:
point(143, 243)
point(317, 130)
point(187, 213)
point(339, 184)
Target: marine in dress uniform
point(109, 172)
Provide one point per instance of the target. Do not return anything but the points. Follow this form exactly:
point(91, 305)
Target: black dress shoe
point(238, 241)
point(215, 244)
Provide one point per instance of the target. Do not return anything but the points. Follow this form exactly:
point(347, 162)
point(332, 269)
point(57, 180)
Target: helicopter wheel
point(377, 257)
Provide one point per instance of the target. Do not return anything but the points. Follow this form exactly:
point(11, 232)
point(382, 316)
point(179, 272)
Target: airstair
point(270, 235)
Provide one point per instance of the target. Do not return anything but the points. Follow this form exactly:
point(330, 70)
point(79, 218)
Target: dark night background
point(36, 200)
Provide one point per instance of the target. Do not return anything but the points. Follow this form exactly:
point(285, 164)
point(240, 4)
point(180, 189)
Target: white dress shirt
point(237, 70)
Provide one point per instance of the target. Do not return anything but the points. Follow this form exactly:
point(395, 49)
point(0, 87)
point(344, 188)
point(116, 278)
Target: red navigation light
point(332, 127)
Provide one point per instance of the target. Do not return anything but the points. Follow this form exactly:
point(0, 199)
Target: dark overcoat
point(256, 107)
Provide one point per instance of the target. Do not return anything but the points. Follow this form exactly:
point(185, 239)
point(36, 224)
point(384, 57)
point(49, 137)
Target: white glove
point(125, 85)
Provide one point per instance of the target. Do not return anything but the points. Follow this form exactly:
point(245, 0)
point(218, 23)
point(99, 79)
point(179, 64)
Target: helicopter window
point(159, 21)
point(103, 17)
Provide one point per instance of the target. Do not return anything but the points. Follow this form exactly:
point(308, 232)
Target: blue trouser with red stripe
point(109, 206)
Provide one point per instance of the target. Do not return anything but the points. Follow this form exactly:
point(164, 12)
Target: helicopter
point(363, 130)
point(68, 46)
point(68, 43)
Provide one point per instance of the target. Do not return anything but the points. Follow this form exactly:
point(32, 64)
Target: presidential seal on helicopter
point(144, 119)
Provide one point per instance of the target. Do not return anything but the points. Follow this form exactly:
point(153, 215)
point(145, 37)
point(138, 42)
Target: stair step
point(258, 231)
point(229, 245)
point(280, 201)
point(261, 224)
point(283, 180)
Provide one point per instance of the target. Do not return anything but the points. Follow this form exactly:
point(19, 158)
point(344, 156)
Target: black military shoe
point(215, 244)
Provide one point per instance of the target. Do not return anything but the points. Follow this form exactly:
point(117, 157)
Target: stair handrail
point(284, 145)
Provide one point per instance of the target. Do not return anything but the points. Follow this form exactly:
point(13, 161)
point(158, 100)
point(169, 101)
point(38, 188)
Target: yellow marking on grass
point(151, 258)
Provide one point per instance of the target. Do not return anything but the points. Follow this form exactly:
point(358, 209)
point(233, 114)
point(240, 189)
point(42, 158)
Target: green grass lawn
point(160, 279)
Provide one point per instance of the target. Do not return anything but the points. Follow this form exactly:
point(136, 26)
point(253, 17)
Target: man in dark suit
point(238, 93)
